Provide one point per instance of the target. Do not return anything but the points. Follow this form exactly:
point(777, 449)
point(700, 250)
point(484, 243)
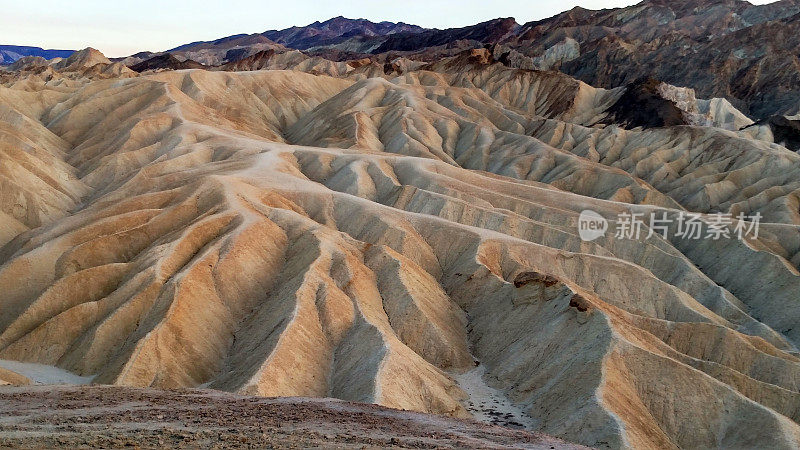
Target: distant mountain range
point(11, 53)
point(335, 31)
point(722, 48)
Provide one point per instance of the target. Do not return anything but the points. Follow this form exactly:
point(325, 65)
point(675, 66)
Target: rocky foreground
point(105, 417)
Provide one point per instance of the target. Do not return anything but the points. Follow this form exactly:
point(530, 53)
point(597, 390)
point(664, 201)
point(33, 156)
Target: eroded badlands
point(371, 237)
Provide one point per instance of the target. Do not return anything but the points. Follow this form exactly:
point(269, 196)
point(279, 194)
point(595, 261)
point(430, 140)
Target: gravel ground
point(113, 417)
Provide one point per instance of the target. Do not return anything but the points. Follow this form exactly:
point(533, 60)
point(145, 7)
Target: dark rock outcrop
point(642, 106)
point(785, 130)
point(165, 61)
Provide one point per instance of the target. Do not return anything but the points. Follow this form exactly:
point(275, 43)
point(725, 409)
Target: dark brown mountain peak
point(165, 61)
point(642, 105)
point(256, 61)
point(335, 30)
point(489, 32)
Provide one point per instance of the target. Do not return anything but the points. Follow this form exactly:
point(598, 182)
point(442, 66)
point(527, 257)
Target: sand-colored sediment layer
point(278, 233)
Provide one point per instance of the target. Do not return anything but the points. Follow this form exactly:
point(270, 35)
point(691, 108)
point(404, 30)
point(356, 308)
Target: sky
point(124, 27)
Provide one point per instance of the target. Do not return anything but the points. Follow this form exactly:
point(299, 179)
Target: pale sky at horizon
point(123, 28)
